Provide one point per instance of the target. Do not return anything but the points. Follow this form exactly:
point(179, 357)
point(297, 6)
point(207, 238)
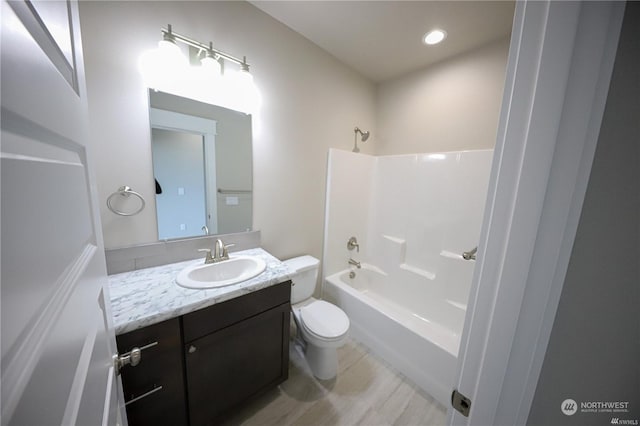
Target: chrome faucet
point(219, 252)
point(355, 263)
point(470, 255)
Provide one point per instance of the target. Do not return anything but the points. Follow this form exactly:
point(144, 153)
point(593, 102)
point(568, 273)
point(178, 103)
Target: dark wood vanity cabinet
point(236, 350)
point(154, 391)
point(209, 361)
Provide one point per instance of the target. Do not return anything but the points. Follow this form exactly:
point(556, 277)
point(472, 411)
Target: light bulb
point(169, 47)
point(434, 37)
point(211, 66)
point(172, 53)
point(245, 95)
point(164, 66)
point(150, 65)
point(245, 77)
point(244, 73)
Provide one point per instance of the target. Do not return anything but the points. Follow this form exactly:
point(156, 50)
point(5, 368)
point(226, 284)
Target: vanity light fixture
point(210, 53)
point(166, 68)
point(434, 36)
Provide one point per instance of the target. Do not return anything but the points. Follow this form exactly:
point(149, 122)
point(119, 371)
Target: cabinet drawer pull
point(150, 345)
point(192, 349)
point(144, 395)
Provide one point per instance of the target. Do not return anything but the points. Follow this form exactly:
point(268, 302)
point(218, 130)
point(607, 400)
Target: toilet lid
point(325, 320)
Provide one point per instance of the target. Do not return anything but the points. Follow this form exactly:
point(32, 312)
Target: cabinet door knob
point(130, 358)
point(135, 357)
point(192, 349)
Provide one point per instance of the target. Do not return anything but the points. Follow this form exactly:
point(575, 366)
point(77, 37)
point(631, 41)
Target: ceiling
point(383, 39)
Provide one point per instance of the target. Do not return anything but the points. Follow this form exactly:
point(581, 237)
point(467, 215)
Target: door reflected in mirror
point(202, 165)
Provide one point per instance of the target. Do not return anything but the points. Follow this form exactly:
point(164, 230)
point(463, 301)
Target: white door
point(560, 64)
point(57, 334)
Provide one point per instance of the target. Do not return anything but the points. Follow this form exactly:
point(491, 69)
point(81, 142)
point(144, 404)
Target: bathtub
point(423, 347)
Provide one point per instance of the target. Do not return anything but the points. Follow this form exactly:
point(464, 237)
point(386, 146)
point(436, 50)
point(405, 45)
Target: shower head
point(365, 135)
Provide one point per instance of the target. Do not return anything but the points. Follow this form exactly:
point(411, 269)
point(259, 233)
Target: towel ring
point(125, 191)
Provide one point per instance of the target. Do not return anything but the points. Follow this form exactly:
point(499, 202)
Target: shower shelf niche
point(395, 250)
point(418, 271)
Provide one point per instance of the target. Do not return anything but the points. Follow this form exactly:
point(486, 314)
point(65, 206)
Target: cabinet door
point(154, 389)
point(227, 367)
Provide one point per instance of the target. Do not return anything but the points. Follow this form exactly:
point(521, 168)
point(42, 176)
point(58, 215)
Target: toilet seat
point(324, 320)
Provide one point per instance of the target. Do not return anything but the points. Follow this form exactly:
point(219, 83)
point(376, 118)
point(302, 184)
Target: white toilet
point(322, 325)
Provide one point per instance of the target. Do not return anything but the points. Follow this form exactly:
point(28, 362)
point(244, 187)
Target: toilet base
point(323, 362)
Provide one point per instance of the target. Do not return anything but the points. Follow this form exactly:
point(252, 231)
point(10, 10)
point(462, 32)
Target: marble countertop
point(149, 296)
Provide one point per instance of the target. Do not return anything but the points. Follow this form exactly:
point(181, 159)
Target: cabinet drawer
point(154, 389)
point(158, 407)
point(166, 333)
point(221, 315)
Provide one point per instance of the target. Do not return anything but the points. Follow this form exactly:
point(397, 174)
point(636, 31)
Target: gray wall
point(594, 350)
point(450, 106)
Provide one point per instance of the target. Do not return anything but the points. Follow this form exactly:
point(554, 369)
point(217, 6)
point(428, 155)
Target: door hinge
point(460, 403)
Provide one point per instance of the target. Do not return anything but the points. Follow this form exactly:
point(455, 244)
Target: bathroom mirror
point(202, 165)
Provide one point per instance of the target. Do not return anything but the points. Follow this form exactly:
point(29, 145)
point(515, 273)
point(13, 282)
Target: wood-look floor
point(367, 391)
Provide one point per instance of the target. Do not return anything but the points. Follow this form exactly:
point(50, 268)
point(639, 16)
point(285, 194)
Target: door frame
point(170, 120)
point(558, 72)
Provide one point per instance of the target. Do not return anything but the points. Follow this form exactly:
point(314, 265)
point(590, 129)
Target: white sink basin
point(227, 272)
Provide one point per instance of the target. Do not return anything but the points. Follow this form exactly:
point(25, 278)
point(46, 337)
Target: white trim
point(22, 157)
point(559, 68)
point(162, 119)
point(106, 410)
point(79, 379)
point(211, 189)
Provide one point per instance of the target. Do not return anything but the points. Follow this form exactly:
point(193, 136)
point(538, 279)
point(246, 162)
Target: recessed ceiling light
point(434, 37)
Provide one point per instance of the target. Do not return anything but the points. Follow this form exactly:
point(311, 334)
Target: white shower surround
point(413, 216)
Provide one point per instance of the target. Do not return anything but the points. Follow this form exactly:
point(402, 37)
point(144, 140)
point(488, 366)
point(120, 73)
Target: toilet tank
point(305, 275)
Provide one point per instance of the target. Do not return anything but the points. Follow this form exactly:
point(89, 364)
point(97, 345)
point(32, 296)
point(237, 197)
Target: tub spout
point(355, 263)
